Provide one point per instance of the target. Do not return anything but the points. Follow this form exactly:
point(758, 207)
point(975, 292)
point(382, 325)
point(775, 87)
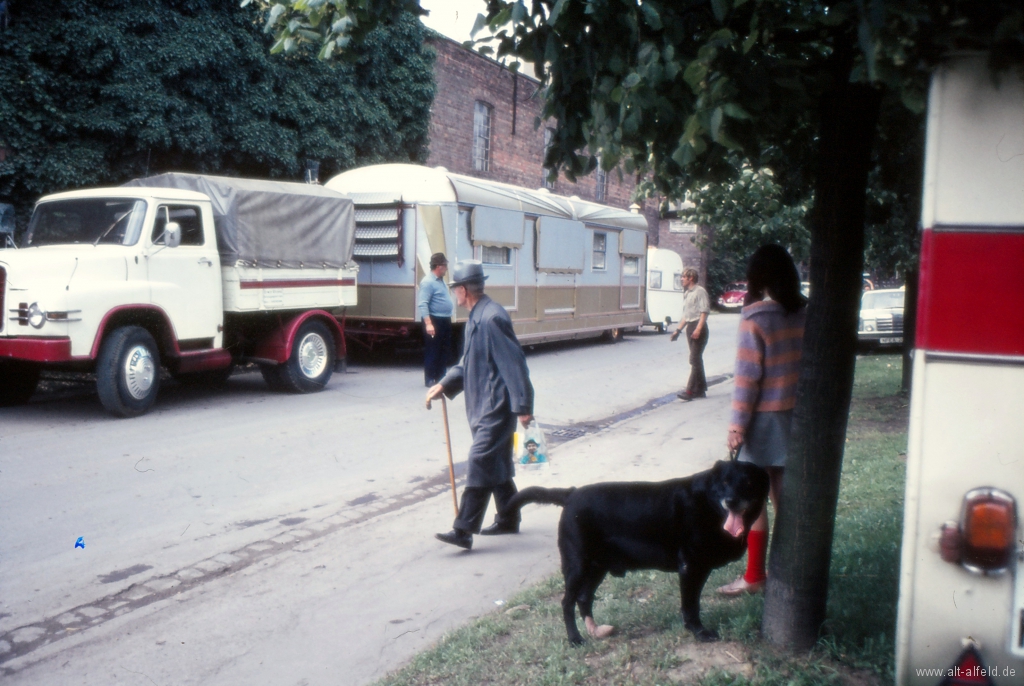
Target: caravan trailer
point(664, 288)
point(563, 267)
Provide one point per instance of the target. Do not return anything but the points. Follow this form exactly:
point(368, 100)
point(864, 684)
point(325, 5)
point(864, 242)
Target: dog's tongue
point(733, 525)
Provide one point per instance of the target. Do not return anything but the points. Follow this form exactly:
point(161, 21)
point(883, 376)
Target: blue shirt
point(434, 300)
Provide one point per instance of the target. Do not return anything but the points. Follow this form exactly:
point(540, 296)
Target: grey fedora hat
point(467, 271)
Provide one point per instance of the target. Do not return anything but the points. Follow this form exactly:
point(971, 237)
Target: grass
point(525, 643)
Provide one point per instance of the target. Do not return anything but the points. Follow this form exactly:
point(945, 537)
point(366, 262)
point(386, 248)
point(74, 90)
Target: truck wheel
point(18, 382)
point(311, 363)
point(128, 372)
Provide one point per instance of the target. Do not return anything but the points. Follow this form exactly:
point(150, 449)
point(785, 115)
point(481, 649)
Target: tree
point(96, 94)
point(673, 88)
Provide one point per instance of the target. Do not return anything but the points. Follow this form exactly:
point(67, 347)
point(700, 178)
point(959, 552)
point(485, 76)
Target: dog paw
point(705, 635)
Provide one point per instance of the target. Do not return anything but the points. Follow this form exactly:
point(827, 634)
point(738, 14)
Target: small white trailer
point(664, 288)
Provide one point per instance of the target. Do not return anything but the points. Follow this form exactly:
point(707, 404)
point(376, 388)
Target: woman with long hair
point(767, 367)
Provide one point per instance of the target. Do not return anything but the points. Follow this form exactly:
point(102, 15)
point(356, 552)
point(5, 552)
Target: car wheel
point(311, 364)
point(18, 381)
point(128, 372)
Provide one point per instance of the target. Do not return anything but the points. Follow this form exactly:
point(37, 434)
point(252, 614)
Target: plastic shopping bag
point(530, 447)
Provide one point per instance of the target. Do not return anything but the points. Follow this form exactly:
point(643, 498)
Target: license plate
point(889, 341)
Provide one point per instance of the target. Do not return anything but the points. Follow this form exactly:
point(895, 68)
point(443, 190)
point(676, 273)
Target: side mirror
point(172, 234)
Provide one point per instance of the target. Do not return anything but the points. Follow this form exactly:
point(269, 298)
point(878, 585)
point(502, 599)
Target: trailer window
point(490, 254)
point(600, 250)
point(187, 217)
point(656, 280)
point(677, 281)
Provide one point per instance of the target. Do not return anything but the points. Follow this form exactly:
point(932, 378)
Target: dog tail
point(536, 494)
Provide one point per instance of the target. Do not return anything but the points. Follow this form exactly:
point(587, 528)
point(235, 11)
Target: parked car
point(881, 317)
point(732, 296)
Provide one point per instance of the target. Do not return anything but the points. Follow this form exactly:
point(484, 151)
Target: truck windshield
point(881, 300)
point(112, 221)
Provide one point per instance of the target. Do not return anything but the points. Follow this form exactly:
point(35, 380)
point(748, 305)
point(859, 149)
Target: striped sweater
point(767, 361)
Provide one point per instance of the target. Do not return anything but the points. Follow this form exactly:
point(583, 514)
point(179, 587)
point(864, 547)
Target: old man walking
point(494, 375)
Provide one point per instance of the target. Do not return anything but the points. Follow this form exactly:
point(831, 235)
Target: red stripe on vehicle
point(295, 283)
point(972, 292)
point(36, 349)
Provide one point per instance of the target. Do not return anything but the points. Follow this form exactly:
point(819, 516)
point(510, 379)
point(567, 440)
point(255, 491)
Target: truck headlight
point(36, 316)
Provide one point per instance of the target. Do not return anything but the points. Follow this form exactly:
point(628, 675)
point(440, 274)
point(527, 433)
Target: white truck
point(183, 272)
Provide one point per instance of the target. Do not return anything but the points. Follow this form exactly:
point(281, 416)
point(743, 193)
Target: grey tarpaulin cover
point(272, 223)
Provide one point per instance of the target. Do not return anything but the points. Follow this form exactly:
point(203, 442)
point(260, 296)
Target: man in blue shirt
point(435, 308)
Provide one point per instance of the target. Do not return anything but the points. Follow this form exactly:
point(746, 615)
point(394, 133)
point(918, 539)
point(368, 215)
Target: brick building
point(482, 124)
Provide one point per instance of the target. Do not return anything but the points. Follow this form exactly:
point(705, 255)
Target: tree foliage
point(95, 93)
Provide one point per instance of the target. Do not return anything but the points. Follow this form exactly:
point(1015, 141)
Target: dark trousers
point(437, 350)
point(474, 505)
point(698, 384)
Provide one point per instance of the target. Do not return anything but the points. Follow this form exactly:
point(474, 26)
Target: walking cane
point(448, 444)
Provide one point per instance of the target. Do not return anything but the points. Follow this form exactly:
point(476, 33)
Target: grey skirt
point(766, 442)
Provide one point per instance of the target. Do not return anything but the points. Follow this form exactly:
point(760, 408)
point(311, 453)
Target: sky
point(453, 18)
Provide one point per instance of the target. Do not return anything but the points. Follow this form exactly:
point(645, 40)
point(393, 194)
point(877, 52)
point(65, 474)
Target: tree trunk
point(796, 594)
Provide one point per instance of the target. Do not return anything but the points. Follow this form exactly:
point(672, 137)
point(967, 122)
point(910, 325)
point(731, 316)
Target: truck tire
point(311, 363)
point(128, 372)
point(18, 382)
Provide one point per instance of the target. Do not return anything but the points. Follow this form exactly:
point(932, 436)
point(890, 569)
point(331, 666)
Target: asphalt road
point(243, 536)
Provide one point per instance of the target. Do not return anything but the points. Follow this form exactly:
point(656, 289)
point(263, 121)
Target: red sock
point(757, 549)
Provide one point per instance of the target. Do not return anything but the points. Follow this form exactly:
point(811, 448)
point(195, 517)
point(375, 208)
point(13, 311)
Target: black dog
point(689, 526)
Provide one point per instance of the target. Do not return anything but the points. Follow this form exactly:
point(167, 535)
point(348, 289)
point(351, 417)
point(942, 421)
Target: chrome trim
point(972, 358)
point(964, 228)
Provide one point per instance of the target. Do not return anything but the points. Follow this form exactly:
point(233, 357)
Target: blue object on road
point(80, 543)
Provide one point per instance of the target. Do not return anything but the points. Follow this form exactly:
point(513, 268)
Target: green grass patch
point(525, 641)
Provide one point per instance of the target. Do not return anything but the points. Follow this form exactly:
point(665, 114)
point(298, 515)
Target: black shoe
point(500, 529)
point(456, 537)
point(684, 396)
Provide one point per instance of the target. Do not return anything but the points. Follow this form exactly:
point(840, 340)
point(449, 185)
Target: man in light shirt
point(696, 307)
point(435, 308)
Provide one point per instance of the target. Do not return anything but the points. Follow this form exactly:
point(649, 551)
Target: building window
point(481, 136)
point(490, 254)
point(600, 248)
point(601, 177)
point(549, 135)
point(631, 267)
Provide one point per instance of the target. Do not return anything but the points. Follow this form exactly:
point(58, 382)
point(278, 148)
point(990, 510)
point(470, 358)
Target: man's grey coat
point(494, 375)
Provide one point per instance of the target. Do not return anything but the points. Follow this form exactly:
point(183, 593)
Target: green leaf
point(735, 111)
point(519, 12)
point(631, 81)
point(556, 11)
point(481, 21)
point(694, 74)
point(616, 94)
point(683, 155)
point(326, 51)
point(721, 36)
point(716, 123)
point(720, 8)
point(749, 42)
point(692, 129)
point(275, 13)
point(651, 16)
point(913, 99)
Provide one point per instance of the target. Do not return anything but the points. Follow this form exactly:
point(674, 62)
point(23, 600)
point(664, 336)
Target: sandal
point(740, 587)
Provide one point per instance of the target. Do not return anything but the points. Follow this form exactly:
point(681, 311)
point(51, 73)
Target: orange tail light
point(988, 528)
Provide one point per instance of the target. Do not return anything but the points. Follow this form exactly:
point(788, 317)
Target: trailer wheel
point(128, 372)
point(614, 335)
point(18, 382)
point(311, 363)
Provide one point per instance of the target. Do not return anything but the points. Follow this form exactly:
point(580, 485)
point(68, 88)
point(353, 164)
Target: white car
point(881, 317)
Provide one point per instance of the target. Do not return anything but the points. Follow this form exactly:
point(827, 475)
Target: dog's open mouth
point(733, 524)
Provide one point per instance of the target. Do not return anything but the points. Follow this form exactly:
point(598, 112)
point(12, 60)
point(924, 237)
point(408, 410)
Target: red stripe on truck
point(972, 291)
point(295, 283)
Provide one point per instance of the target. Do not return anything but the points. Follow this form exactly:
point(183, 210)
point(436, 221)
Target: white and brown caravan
point(563, 267)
